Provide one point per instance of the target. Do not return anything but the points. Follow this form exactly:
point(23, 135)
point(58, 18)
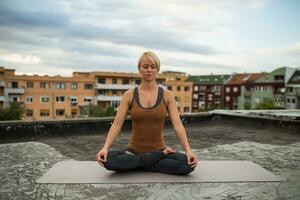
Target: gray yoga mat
point(207, 171)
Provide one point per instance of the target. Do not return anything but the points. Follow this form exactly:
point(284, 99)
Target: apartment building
point(182, 90)
point(238, 89)
point(292, 96)
point(272, 86)
point(48, 97)
point(208, 91)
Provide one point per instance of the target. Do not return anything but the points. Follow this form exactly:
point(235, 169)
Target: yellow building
point(56, 97)
point(182, 90)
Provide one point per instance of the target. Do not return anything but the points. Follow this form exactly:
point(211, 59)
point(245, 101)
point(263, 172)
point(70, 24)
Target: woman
point(148, 105)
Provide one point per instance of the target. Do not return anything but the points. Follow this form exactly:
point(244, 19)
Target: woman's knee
point(110, 163)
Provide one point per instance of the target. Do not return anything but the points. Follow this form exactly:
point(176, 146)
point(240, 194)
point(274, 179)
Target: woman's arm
point(101, 156)
point(179, 129)
point(119, 119)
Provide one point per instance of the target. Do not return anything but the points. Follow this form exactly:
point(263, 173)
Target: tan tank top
point(147, 124)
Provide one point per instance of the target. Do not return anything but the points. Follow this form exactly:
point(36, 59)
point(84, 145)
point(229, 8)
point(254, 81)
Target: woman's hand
point(192, 159)
point(168, 151)
point(101, 156)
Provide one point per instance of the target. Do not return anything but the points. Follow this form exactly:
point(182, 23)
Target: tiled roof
point(208, 79)
point(239, 79)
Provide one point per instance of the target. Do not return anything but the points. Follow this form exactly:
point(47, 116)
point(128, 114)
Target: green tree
point(266, 105)
point(13, 112)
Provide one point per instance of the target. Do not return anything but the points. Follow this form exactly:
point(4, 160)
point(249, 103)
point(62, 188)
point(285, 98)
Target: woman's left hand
point(192, 159)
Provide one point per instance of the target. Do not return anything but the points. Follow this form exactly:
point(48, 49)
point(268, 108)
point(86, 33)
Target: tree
point(13, 112)
point(266, 105)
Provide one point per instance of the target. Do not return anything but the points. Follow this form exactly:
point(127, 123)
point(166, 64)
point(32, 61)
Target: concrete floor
point(276, 149)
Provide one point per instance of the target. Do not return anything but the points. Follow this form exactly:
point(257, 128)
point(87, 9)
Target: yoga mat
point(72, 171)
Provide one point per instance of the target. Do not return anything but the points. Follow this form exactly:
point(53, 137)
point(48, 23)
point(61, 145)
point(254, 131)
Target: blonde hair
point(152, 56)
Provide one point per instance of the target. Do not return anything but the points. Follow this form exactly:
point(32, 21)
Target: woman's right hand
point(168, 150)
point(101, 156)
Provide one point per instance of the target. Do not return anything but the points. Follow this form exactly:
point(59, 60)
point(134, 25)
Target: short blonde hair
point(152, 56)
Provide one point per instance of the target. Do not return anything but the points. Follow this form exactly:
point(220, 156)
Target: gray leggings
point(157, 161)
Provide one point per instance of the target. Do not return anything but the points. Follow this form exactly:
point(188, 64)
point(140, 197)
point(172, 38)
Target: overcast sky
point(193, 36)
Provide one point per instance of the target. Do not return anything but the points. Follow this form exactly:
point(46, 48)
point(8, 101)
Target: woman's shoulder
point(168, 94)
point(128, 94)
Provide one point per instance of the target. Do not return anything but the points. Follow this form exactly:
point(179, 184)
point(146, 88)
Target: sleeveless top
point(147, 124)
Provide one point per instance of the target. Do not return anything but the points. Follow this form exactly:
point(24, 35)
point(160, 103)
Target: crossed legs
point(174, 163)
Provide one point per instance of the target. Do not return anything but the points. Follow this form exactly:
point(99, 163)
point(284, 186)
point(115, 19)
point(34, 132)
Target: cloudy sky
point(192, 36)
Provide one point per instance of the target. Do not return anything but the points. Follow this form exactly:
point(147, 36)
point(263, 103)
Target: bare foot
point(168, 151)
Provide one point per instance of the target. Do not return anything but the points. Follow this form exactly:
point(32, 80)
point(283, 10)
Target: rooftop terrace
point(218, 137)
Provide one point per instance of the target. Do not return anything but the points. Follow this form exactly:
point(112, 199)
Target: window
point(88, 86)
point(88, 99)
point(14, 84)
point(227, 89)
point(44, 85)
point(44, 113)
point(60, 86)
point(278, 77)
point(73, 99)
point(186, 109)
point(60, 112)
point(115, 104)
point(114, 81)
point(177, 99)
point(227, 98)
point(170, 88)
point(74, 112)
point(29, 113)
point(178, 88)
point(125, 81)
point(195, 96)
point(293, 100)
point(195, 88)
point(60, 99)
point(138, 81)
point(101, 92)
point(29, 100)
point(210, 97)
point(74, 86)
point(101, 80)
point(45, 99)
point(159, 82)
point(178, 109)
point(235, 89)
point(186, 88)
point(114, 93)
point(29, 84)
point(288, 100)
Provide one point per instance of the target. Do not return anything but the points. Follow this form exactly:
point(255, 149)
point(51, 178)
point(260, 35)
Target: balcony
point(108, 98)
point(114, 86)
point(14, 90)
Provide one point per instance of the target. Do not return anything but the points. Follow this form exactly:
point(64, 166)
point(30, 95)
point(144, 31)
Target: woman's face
point(148, 69)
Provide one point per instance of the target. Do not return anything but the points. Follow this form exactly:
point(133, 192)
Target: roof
point(208, 79)
point(295, 79)
point(239, 79)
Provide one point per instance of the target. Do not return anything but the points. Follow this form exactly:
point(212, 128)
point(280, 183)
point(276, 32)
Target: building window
point(88, 86)
point(210, 97)
point(293, 101)
point(29, 113)
point(235, 89)
point(73, 101)
point(177, 99)
point(125, 81)
point(74, 86)
point(195, 88)
point(60, 86)
point(138, 81)
point(14, 84)
point(60, 99)
point(114, 93)
point(29, 84)
point(178, 88)
point(288, 100)
point(74, 112)
point(88, 99)
point(29, 100)
point(101, 80)
point(44, 85)
point(195, 96)
point(186, 88)
point(101, 92)
point(186, 109)
point(227, 89)
point(115, 104)
point(178, 109)
point(227, 98)
point(170, 88)
point(44, 113)
point(60, 112)
point(114, 81)
point(159, 82)
point(45, 99)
